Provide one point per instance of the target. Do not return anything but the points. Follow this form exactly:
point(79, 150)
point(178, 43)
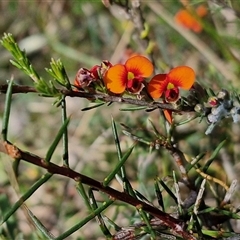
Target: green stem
point(146, 220)
point(101, 222)
point(86, 220)
point(27, 195)
point(109, 178)
point(65, 133)
point(7, 109)
point(82, 191)
point(56, 140)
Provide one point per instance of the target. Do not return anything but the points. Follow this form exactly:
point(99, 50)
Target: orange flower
point(128, 76)
point(188, 20)
point(167, 85)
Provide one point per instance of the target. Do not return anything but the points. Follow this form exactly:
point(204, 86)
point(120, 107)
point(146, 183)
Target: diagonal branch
point(175, 224)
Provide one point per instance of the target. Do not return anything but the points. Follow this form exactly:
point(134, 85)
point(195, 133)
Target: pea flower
point(85, 77)
point(99, 71)
point(128, 76)
point(188, 20)
point(167, 85)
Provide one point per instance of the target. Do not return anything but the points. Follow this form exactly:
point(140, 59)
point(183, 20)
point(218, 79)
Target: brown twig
point(101, 96)
point(175, 224)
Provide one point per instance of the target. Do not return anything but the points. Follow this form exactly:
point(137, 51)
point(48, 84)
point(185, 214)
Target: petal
point(197, 27)
point(187, 20)
point(83, 78)
point(94, 71)
point(140, 66)
point(157, 85)
point(115, 79)
point(202, 10)
point(184, 18)
point(182, 77)
point(168, 115)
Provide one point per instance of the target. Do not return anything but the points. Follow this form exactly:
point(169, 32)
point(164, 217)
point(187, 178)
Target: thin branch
point(101, 96)
point(175, 224)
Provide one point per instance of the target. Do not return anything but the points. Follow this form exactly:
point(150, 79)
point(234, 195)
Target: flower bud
point(199, 108)
point(223, 94)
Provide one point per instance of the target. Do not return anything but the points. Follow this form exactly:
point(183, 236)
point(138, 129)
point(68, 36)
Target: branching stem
point(101, 96)
point(175, 224)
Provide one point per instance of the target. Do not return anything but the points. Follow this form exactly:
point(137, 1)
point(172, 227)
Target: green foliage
point(21, 60)
point(59, 74)
point(142, 178)
point(47, 89)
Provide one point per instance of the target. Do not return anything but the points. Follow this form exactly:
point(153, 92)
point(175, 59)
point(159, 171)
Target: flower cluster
point(130, 77)
point(189, 18)
point(219, 107)
point(167, 85)
point(84, 77)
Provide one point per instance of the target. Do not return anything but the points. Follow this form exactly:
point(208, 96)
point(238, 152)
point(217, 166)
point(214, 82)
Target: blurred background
point(82, 34)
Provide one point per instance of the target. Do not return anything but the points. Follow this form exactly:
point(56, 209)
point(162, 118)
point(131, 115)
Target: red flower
point(128, 76)
point(85, 77)
point(188, 20)
point(99, 71)
point(167, 85)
